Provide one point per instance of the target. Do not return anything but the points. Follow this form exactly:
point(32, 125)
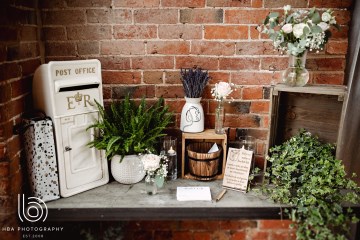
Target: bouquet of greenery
point(295, 32)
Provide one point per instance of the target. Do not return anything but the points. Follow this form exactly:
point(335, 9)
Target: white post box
point(65, 91)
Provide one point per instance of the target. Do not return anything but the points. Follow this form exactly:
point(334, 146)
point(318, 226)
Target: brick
point(245, 16)
point(168, 47)
point(63, 17)
point(254, 33)
point(170, 91)
point(219, 77)
point(23, 50)
point(339, 34)
point(337, 47)
point(256, 3)
point(153, 77)
point(201, 15)
point(9, 70)
point(206, 63)
point(86, 3)
point(133, 4)
point(326, 64)
point(135, 31)
point(4, 187)
point(234, 107)
point(119, 47)
point(4, 166)
point(28, 33)
point(239, 63)
point(182, 31)
point(259, 134)
point(212, 48)
point(246, 120)
point(282, 3)
point(226, 32)
point(159, 16)
point(20, 87)
point(274, 63)
point(181, 235)
point(199, 225)
point(183, 3)
point(265, 122)
point(3, 53)
point(5, 95)
point(123, 77)
point(54, 33)
point(89, 32)
point(249, 93)
point(28, 67)
point(228, 3)
point(275, 224)
point(107, 92)
point(172, 77)
point(255, 48)
point(255, 78)
point(238, 235)
point(259, 235)
point(137, 91)
point(283, 235)
point(8, 34)
point(259, 107)
point(14, 146)
point(330, 3)
point(202, 235)
point(328, 78)
point(342, 17)
point(153, 62)
point(6, 128)
point(88, 48)
point(160, 235)
point(115, 63)
point(175, 106)
point(52, 4)
point(108, 16)
point(60, 49)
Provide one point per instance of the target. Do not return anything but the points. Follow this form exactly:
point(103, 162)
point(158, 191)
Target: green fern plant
point(126, 128)
point(305, 174)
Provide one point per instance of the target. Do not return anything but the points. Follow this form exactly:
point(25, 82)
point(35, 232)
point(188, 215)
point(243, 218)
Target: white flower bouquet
point(221, 90)
point(296, 32)
point(155, 167)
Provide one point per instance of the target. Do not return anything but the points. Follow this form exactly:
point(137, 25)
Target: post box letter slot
point(80, 87)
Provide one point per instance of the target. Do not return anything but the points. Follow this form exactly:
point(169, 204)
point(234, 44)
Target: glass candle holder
point(168, 148)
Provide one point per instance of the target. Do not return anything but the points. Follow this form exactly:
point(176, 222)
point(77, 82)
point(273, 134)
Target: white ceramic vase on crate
point(129, 171)
point(192, 116)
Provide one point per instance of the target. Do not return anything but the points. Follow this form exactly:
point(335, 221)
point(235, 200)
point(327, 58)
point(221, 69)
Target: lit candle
point(171, 151)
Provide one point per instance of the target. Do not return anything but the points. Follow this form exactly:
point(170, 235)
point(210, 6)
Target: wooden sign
point(237, 169)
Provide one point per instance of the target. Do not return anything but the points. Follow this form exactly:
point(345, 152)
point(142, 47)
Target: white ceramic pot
point(130, 170)
point(192, 116)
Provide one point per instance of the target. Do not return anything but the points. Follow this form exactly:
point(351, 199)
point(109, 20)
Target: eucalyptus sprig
point(305, 174)
point(194, 81)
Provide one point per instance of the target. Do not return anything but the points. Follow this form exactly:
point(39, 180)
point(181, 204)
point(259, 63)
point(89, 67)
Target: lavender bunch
point(194, 81)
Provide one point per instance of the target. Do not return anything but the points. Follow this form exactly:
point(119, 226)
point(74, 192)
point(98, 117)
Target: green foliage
point(306, 175)
point(126, 128)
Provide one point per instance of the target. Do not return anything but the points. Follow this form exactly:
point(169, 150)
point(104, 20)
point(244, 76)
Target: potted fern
point(127, 129)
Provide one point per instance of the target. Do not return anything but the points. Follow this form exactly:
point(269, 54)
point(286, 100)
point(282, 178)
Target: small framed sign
point(237, 169)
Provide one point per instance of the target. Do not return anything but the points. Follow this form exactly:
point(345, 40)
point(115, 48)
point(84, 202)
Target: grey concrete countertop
point(116, 201)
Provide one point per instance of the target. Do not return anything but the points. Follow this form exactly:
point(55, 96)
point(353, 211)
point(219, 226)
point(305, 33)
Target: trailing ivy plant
point(305, 175)
point(127, 128)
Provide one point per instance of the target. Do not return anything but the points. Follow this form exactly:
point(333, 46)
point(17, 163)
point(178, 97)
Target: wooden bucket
point(203, 165)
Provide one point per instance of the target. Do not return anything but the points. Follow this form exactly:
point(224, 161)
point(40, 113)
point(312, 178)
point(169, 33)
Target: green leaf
point(316, 18)
point(316, 29)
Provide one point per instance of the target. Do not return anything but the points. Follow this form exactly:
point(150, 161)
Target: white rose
point(222, 90)
point(324, 26)
point(326, 17)
point(298, 29)
point(151, 162)
point(287, 8)
point(287, 28)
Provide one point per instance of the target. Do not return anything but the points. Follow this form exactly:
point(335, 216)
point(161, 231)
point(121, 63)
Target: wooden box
point(208, 135)
point(317, 108)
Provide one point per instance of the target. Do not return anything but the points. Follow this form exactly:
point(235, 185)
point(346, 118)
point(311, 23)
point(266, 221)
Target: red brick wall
point(19, 57)
point(142, 45)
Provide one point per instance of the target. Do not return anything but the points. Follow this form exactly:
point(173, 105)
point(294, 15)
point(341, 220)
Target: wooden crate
point(208, 135)
point(317, 108)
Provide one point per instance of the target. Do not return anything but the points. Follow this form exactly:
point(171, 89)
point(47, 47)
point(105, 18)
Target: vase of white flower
point(295, 33)
point(156, 170)
point(296, 75)
point(220, 92)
